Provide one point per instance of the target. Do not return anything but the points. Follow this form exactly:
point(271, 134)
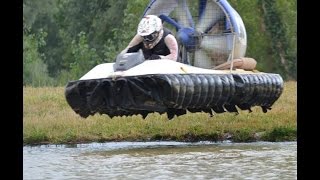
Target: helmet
point(149, 27)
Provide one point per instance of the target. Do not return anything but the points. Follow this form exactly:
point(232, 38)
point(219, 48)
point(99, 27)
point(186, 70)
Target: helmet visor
point(151, 37)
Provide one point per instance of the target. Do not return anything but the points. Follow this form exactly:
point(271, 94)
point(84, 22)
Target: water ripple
point(162, 160)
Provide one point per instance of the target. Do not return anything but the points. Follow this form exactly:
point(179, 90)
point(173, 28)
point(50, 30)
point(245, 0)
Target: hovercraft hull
point(174, 94)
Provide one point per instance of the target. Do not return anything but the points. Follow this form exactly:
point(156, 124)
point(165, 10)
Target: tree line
point(64, 39)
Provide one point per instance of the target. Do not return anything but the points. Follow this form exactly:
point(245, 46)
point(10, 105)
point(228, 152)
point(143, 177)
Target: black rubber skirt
point(174, 94)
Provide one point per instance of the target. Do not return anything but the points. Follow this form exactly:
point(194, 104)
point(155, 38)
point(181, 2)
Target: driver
point(155, 41)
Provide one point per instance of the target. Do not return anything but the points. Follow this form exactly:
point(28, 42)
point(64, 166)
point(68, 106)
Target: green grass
point(48, 119)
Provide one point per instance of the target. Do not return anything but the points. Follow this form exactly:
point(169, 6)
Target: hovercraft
point(212, 74)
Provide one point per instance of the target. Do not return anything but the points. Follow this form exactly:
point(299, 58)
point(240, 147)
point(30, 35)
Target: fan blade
point(158, 7)
point(218, 47)
point(215, 43)
point(170, 21)
point(202, 6)
point(183, 14)
point(202, 60)
point(209, 14)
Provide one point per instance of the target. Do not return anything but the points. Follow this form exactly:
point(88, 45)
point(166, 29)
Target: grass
point(48, 119)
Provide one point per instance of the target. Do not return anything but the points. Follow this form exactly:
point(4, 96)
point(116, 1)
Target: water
point(162, 160)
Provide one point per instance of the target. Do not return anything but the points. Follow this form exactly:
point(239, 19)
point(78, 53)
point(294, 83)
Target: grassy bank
point(47, 118)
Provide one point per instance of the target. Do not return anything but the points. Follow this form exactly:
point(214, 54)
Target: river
point(161, 160)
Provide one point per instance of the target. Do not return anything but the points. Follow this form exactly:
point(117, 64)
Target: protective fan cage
point(210, 39)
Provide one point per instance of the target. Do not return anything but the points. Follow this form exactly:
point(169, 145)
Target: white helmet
point(149, 24)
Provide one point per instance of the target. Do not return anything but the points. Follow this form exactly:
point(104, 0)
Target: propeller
point(195, 38)
point(199, 35)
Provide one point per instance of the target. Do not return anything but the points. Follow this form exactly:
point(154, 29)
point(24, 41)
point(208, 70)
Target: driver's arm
point(135, 41)
point(172, 45)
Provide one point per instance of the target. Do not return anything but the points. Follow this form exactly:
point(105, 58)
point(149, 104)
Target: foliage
point(84, 57)
point(280, 133)
point(284, 54)
point(35, 70)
